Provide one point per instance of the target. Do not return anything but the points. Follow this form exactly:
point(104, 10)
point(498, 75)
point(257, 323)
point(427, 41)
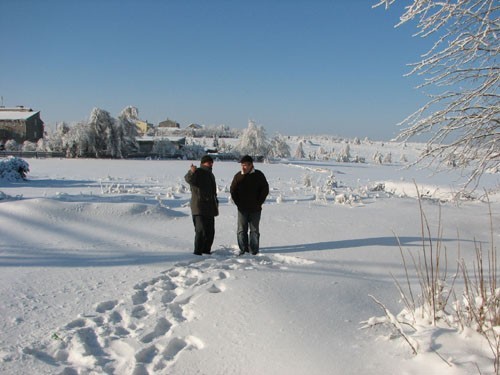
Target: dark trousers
point(204, 229)
point(248, 221)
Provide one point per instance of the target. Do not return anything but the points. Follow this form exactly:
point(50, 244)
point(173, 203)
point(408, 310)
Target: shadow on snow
point(353, 243)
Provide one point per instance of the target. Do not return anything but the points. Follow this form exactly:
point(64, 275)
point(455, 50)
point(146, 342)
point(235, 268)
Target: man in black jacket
point(249, 190)
point(204, 204)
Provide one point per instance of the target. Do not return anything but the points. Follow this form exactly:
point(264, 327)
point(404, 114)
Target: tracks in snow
point(137, 335)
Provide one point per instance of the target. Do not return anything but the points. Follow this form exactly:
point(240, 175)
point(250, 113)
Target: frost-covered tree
point(461, 117)
point(53, 141)
point(76, 140)
point(114, 138)
point(279, 147)
point(299, 152)
point(378, 157)
point(193, 152)
point(253, 141)
point(127, 130)
point(102, 135)
point(163, 147)
point(345, 154)
point(224, 147)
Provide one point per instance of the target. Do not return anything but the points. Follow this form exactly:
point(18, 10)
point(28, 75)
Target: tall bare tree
point(461, 118)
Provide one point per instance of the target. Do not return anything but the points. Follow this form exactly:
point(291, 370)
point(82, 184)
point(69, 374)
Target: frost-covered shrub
point(306, 179)
point(378, 157)
point(358, 159)
point(279, 147)
point(330, 184)
point(299, 152)
point(319, 196)
point(11, 145)
point(193, 152)
point(345, 155)
point(28, 146)
point(13, 169)
point(253, 141)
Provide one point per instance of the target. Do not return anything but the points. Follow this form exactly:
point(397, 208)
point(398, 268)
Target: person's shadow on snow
point(354, 243)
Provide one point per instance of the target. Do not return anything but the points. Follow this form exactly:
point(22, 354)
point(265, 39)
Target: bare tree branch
point(461, 121)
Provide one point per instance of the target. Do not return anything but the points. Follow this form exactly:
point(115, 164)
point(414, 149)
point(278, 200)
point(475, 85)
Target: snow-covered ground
point(98, 277)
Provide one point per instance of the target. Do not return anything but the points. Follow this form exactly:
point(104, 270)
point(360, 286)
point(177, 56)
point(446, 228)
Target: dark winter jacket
point(203, 192)
point(249, 191)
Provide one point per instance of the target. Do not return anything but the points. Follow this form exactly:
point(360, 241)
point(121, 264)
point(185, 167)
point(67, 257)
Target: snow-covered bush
point(299, 152)
point(13, 169)
point(28, 146)
point(331, 183)
point(378, 157)
point(345, 154)
point(11, 145)
point(307, 180)
point(358, 159)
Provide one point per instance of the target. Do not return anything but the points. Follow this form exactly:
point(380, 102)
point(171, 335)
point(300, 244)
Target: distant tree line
point(102, 136)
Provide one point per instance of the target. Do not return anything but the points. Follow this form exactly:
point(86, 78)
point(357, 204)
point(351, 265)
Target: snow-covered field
point(98, 277)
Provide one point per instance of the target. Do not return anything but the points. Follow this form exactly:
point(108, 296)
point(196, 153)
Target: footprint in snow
point(161, 328)
point(106, 306)
point(138, 335)
point(216, 289)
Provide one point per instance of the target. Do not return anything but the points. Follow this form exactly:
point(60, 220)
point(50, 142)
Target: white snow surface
point(98, 276)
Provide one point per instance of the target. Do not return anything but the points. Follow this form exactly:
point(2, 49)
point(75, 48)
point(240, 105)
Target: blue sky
point(293, 66)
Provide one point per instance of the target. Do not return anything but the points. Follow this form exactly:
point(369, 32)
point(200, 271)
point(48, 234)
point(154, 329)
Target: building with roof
point(169, 124)
point(20, 124)
point(143, 127)
point(147, 144)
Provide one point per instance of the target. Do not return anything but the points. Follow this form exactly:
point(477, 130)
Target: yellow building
point(142, 126)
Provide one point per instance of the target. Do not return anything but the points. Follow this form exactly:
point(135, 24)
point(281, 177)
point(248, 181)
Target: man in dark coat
point(249, 190)
point(204, 204)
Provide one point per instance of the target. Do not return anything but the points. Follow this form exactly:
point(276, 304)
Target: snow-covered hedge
point(13, 169)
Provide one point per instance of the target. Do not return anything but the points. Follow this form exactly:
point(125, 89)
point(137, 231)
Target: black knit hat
point(206, 158)
point(246, 159)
